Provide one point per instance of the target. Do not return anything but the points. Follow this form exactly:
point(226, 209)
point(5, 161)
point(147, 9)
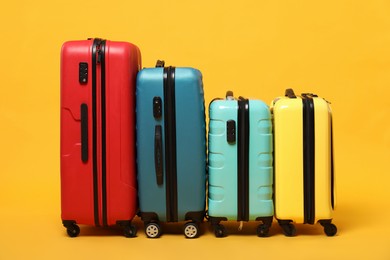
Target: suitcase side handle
point(158, 154)
point(290, 93)
point(84, 132)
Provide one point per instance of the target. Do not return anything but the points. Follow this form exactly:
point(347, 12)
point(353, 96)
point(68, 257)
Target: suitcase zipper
point(308, 158)
point(98, 69)
point(243, 160)
point(101, 59)
point(170, 144)
point(331, 162)
point(95, 47)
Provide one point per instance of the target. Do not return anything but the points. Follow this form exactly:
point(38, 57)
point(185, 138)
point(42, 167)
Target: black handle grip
point(84, 132)
point(290, 93)
point(160, 64)
point(158, 154)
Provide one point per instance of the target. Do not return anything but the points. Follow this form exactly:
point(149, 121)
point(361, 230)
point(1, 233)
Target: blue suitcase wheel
point(152, 230)
point(130, 231)
point(191, 230)
point(73, 230)
point(219, 231)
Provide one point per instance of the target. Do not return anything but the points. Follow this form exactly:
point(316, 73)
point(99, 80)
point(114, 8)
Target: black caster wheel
point(191, 230)
point(262, 230)
point(330, 229)
point(73, 230)
point(130, 231)
point(219, 231)
point(289, 230)
point(153, 230)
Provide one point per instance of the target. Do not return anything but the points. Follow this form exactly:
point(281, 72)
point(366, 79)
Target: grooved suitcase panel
point(122, 65)
point(151, 196)
point(222, 186)
point(222, 189)
point(191, 141)
point(76, 177)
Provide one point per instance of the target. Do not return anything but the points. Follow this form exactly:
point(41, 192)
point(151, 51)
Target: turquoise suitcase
point(171, 148)
point(240, 163)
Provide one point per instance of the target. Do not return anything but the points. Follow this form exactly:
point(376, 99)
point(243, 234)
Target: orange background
point(337, 49)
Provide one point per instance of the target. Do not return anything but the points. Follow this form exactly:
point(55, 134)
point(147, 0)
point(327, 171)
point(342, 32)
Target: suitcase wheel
point(219, 231)
point(152, 230)
point(262, 230)
point(73, 230)
point(130, 231)
point(191, 230)
point(330, 229)
point(288, 229)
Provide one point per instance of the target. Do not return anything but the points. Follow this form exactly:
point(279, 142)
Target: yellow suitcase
point(303, 154)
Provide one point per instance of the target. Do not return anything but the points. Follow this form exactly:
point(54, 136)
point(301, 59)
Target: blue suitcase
point(171, 148)
point(240, 163)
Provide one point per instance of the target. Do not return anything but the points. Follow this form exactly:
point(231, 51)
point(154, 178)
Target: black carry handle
point(229, 94)
point(84, 132)
point(290, 93)
point(160, 64)
point(158, 154)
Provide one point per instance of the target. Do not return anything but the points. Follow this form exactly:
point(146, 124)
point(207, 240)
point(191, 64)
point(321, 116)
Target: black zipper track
point(96, 42)
point(243, 160)
point(331, 163)
point(308, 159)
point(170, 144)
point(103, 125)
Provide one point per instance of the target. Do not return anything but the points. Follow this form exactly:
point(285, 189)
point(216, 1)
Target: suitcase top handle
point(290, 93)
point(309, 95)
point(229, 95)
point(160, 64)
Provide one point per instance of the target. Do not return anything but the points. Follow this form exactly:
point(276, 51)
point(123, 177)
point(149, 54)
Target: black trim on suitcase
point(95, 44)
point(243, 160)
point(84, 132)
point(101, 57)
point(308, 159)
point(331, 163)
point(170, 144)
point(158, 154)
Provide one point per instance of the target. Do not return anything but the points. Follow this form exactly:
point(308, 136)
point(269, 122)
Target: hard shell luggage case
point(304, 177)
point(240, 163)
point(171, 149)
point(98, 178)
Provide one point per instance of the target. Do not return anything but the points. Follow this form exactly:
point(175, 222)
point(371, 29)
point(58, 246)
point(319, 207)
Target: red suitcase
point(98, 173)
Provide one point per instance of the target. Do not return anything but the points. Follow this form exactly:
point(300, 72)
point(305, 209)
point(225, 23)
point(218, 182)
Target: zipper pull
point(99, 56)
point(290, 93)
point(241, 225)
